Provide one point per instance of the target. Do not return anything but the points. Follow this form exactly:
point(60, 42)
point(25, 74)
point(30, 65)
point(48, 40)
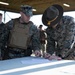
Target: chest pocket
point(19, 36)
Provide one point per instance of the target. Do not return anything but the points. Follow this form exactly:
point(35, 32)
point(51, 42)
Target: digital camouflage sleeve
point(36, 45)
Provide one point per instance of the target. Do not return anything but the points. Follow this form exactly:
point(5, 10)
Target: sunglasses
point(27, 8)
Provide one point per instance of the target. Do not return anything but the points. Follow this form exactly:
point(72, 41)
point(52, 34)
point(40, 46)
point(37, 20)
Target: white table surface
point(37, 66)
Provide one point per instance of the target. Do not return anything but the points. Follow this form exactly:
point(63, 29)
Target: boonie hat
point(52, 15)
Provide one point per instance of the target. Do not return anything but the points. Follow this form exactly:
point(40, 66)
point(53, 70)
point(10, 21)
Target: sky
point(35, 18)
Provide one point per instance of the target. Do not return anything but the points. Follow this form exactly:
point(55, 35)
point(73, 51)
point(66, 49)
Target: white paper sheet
point(35, 61)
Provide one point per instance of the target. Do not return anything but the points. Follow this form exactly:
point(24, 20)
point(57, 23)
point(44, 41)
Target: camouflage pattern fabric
point(3, 38)
point(71, 56)
point(61, 38)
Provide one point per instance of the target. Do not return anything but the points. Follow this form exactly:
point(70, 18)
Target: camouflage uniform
point(33, 45)
point(3, 33)
point(71, 56)
point(60, 40)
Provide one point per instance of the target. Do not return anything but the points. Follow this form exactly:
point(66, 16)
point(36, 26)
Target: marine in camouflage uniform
point(60, 33)
point(60, 40)
point(33, 44)
point(3, 33)
point(3, 38)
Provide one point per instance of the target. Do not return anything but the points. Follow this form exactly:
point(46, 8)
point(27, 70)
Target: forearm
point(36, 44)
point(50, 46)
